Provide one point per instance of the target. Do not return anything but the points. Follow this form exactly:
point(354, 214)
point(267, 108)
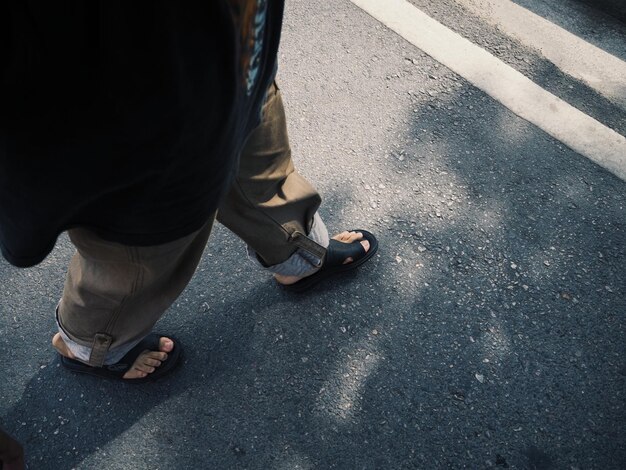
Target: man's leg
point(114, 294)
point(272, 207)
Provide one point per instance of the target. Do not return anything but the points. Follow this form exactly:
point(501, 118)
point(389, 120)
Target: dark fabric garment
point(125, 117)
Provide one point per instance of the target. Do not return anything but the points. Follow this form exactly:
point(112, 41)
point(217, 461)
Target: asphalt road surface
point(488, 332)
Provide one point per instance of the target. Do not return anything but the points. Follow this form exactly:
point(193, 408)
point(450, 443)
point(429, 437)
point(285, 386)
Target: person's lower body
point(270, 206)
point(114, 294)
point(274, 210)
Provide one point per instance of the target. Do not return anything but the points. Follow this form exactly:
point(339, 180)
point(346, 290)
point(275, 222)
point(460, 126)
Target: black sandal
point(117, 371)
point(336, 254)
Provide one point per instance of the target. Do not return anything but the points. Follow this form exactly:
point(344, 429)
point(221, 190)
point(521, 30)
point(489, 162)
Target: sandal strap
point(150, 342)
point(337, 252)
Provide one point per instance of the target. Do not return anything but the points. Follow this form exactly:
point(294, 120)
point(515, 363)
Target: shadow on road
point(488, 332)
point(517, 334)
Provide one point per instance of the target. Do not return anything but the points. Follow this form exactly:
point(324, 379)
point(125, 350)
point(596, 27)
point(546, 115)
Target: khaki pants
point(114, 294)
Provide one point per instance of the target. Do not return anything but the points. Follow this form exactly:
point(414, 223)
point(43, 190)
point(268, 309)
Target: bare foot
point(145, 364)
point(345, 237)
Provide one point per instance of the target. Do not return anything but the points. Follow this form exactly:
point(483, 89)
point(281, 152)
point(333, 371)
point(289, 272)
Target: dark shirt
point(125, 117)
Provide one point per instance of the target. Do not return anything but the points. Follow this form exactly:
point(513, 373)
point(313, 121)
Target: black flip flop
point(336, 254)
point(117, 371)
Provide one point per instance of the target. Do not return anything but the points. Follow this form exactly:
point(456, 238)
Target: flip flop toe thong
point(117, 371)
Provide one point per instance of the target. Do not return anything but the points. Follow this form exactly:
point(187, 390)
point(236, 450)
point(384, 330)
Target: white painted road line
point(575, 129)
point(600, 70)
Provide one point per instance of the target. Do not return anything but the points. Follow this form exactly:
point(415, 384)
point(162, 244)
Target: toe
point(354, 236)
point(148, 361)
point(366, 245)
point(158, 355)
point(166, 344)
point(348, 237)
point(343, 236)
point(144, 368)
point(135, 373)
point(151, 362)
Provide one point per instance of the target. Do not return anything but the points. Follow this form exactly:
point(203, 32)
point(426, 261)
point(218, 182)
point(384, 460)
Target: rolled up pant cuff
point(82, 352)
point(302, 262)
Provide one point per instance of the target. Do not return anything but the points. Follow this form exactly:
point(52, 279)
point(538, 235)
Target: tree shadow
point(590, 17)
point(523, 239)
point(530, 62)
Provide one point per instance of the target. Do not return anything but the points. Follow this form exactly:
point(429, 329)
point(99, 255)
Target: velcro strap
point(99, 349)
point(302, 241)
